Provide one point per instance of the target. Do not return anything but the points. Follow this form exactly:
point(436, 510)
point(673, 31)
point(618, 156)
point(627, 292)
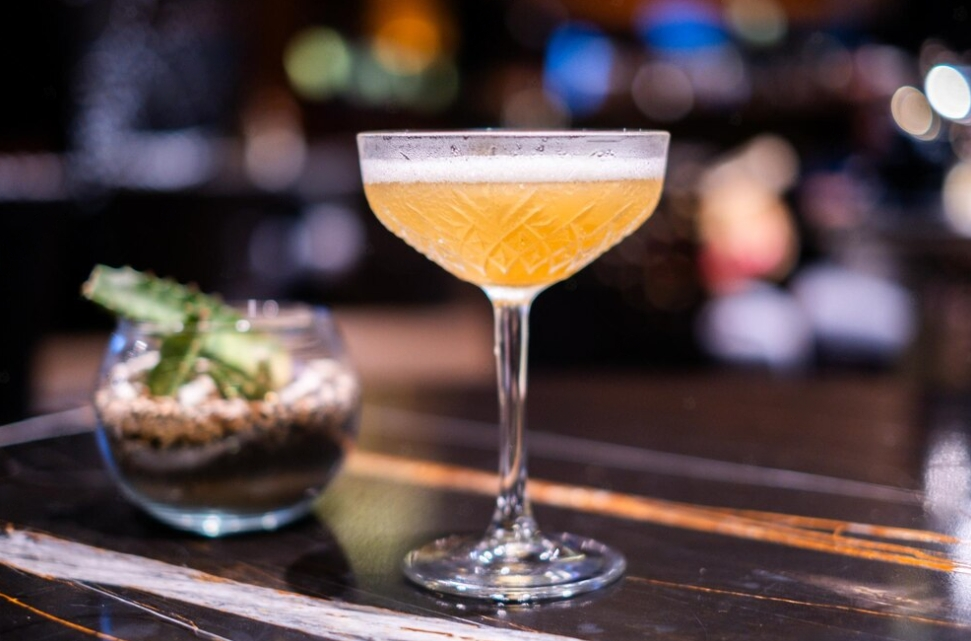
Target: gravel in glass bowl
point(227, 425)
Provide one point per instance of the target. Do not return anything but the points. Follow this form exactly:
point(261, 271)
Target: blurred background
point(815, 218)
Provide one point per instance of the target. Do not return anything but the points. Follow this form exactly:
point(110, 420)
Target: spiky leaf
point(246, 363)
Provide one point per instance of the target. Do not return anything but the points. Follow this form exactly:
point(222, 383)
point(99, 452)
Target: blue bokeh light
point(681, 25)
point(578, 66)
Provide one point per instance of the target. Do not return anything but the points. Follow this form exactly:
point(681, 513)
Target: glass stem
point(513, 518)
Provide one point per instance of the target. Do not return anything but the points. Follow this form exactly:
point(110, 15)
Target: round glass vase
point(235, 426)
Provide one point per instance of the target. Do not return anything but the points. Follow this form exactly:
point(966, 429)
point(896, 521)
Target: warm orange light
point(408, 36)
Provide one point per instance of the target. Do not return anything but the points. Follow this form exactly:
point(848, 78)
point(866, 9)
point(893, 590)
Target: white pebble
point(196, 391)
point(123, 390)
point(308, 381)
point(143, 362)
point(234, 408)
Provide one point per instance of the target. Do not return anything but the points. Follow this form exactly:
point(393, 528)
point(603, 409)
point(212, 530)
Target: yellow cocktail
point(514, 234)
point(513, 212)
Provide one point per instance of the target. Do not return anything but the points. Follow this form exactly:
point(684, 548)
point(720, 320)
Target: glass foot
point(555, 566)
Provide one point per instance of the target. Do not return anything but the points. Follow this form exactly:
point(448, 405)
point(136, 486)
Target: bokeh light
point(407, 44)
point(949, 92)
point(578, 66)
point(960, 139)
point(772, 161)
point(408, 36)
point(758, 22)
point(407, 59)
point(855, 314)
point(663, 91)
point(759, 325)
point(681, 25)
point(430, 91)
point(957, 197)
point(329, 239)
point(746, 229)
point(913, 114)
point(274, 145)
point(318, 63)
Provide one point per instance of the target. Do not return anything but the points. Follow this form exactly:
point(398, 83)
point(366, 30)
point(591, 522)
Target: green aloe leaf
point(178, 355)
point(246, 364)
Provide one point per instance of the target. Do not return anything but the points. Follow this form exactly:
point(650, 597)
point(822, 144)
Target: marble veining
point(55, 558)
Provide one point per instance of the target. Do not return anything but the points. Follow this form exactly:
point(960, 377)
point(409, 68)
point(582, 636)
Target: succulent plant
point(198, 331)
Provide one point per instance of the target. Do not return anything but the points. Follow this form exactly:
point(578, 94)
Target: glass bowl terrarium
point(220, 418)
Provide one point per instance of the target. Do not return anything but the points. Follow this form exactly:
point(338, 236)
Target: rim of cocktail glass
point(640, 144)
point(513, 133)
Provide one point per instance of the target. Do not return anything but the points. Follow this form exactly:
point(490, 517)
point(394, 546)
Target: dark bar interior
point(213, 142)
point(761, 395)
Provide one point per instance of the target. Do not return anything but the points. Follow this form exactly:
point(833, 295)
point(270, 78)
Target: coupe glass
point(513, 212)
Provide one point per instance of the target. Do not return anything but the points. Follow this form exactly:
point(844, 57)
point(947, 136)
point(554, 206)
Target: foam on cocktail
point(515, 169)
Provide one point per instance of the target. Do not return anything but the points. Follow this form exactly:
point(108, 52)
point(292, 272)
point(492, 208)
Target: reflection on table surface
point(748, 507)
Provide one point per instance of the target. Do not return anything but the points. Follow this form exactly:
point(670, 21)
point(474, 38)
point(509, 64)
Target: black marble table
point(748, 508)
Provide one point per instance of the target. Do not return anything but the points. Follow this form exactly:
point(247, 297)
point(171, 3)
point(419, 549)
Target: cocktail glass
point(513, 212)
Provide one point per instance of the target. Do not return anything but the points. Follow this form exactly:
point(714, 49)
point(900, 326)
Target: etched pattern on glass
point(527, 239)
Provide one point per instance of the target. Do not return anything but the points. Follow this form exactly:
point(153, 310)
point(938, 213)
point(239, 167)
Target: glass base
point(216, 523)
point(554, 566)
